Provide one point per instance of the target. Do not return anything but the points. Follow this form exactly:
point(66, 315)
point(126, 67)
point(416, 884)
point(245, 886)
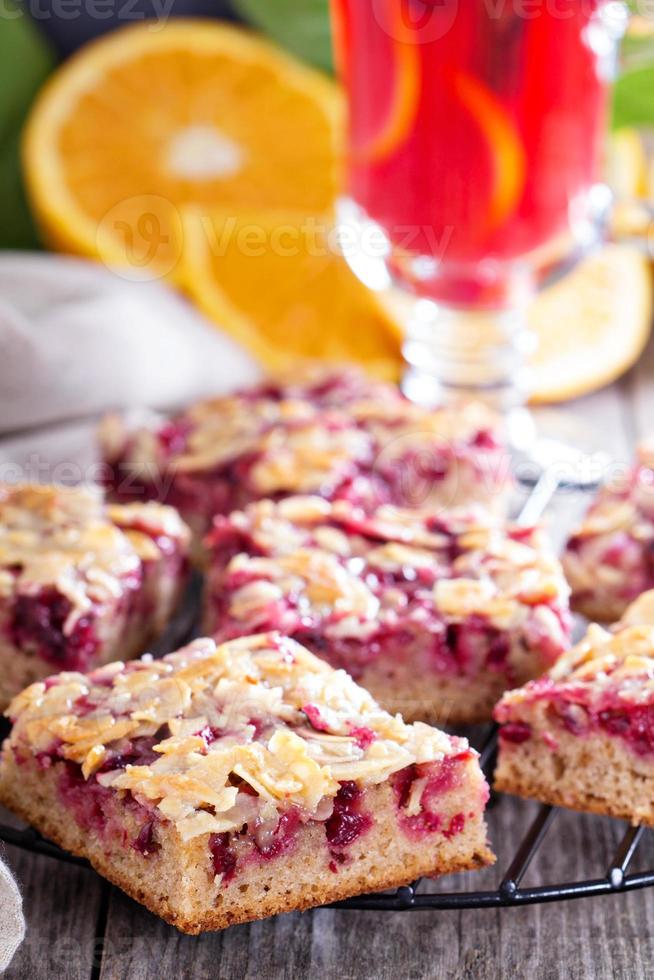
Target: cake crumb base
point(176, 881)
point(593, 773)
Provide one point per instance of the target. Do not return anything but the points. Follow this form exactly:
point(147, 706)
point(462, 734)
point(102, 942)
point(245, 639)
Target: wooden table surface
point(80, 927)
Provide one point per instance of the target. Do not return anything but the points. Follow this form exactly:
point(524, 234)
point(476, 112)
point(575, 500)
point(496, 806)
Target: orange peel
point(505, 146)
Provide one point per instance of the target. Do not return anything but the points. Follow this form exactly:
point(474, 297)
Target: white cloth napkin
point(12, 922)
point(77, 339)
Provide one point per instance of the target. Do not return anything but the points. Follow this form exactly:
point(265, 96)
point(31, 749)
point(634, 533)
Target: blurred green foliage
point(634, 92)
point(300, 26)
point(25, 61)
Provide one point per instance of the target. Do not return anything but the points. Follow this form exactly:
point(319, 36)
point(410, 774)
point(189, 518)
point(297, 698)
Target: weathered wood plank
point(62, 906)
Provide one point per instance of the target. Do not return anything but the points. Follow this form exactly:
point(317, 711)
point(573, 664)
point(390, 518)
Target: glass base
point(454, 355)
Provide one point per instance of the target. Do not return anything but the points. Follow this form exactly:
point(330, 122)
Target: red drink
point(476, 130)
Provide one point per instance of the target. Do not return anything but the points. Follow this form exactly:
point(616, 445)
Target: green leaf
point(634, 98)
point(25, 61)
point(300, 26)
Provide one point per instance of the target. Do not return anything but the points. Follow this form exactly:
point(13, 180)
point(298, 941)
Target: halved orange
point(149, 120)
point(277, 282)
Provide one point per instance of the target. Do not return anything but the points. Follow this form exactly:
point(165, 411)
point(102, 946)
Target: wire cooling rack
point(509, 892)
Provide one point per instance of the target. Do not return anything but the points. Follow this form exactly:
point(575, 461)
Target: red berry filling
point(145, 843)
point(515, 732)
point(95, 809)
point(635, 725)
point(436, 780)
point(315, 718)
point(222, 856)
point(347, 822)
point(363, 736)
point(580, 711)
point(283, 836)
point(38, 625)
point(226, 857)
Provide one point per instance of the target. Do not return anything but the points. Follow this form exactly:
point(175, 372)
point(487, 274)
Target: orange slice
point(277, 283)
point(593, 325)
point(145, 122)
point(626, 171)
point(504, 145)
point(405, 98)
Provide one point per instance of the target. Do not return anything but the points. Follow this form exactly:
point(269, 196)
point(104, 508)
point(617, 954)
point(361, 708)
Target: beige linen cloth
point(75, 341)
point(12, 923)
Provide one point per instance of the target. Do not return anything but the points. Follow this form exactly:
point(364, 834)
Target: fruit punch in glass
point(476, 130)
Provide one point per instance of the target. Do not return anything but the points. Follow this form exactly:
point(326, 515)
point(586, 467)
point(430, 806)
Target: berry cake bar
point(81, 582)
point(583, 736)
point(609, 560)
point(435, 615)
point(222, 785)
point(334, 434)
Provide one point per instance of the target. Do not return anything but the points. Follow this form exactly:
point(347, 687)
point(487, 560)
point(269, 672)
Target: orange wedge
point(593, 325)
point(626, 171)
point(275, 280)
point(150, 120)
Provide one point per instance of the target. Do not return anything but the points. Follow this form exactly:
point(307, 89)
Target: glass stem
point(453, 355)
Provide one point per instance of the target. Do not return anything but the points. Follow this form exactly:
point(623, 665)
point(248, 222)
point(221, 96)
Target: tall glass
point(476, 130)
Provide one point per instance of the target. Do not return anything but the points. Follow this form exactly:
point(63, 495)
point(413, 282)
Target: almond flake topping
point(624, 505)
point(64, 537)
point(303, 432)
point(332, 563)
point(221, 719)
point(621, 658)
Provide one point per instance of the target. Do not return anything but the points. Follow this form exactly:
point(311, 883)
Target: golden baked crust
point(177, 884)
point(593, 775)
